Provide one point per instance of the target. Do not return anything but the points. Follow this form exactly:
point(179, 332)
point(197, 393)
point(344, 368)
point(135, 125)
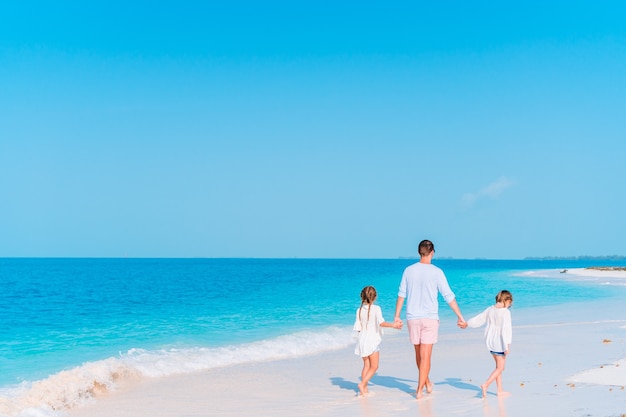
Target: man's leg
point(423, 353)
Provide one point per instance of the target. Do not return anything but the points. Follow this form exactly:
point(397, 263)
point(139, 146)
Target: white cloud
point(492, 191)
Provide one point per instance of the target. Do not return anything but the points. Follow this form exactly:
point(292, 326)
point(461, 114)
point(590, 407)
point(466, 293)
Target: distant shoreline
point(608, 268)
point(532, 258)
point(577, 258)
point(618, 272)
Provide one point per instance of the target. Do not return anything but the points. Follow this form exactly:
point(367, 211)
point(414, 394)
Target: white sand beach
point(598, 273)
point(614, 276)
point(565, 361)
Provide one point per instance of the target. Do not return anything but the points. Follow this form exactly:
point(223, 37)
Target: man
point(420, 285)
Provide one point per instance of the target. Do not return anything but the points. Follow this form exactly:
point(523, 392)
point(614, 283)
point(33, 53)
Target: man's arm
point(399, 304)
point(455, 307)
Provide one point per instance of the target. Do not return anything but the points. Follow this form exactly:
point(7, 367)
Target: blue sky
point(296, 129)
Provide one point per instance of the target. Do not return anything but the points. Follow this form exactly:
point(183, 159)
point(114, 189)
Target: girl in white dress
point(369, 324)
point(498, 336)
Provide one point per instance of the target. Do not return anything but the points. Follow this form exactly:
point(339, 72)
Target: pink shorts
point(423, 331)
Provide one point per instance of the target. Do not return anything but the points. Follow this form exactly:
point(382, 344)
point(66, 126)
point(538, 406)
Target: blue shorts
point(497, 353)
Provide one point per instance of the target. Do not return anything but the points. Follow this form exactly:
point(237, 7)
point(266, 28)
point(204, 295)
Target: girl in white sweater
point(498, 336)
point(369, 323)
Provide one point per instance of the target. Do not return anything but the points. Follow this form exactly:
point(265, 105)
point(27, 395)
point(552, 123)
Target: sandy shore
point(569, 361)
point(598, 272)
point(556, 369)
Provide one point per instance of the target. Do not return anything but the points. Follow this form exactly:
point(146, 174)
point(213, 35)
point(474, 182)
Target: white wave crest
point(173, 361)
point(75, 387)
point(63, 390)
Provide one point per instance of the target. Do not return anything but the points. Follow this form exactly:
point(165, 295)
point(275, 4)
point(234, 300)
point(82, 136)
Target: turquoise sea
point(69, 323)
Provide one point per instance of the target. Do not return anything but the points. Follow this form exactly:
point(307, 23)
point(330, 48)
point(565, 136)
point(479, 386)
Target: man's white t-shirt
point(420, 285)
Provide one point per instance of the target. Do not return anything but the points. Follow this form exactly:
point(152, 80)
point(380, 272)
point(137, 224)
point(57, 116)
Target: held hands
point(461, 323)
point(397, 323)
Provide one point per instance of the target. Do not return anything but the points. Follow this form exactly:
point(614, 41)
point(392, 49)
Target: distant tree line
point(577, 258)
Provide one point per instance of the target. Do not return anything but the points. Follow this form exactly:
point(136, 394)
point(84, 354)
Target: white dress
point(498, 333)
point(370, 332)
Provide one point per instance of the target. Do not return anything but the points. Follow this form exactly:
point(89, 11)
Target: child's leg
point(366, 367)
point(371, 370)
point(499, 359)
point(499, 377)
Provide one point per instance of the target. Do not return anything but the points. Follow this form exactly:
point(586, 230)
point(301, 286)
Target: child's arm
point(357, 323)
point(477, 321)
point(382, 323)
point(507, 330)
point(395, 325)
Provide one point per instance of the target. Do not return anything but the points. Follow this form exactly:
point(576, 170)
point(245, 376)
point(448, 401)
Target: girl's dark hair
point(368, 295)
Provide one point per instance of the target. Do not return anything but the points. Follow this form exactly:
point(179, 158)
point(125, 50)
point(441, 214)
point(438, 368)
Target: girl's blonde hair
point(503, 296)
point(368, 295)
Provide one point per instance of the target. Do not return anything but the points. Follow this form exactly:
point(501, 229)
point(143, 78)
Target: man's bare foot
point(429, 387)
point(362, 390)
point(484, 389)
point(503, 393)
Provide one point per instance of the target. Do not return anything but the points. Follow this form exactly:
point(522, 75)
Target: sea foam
point(75, 387)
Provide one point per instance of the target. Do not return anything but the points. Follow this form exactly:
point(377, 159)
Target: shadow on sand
point(459, 384)
point(380, 380)
point(404, 385)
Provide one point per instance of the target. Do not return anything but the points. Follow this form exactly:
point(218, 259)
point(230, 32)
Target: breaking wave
point(75, 387)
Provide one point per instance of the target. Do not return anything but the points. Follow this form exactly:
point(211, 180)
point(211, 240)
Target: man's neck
point(426, 259)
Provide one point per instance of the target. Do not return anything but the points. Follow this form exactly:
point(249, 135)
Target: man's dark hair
point(426, 247)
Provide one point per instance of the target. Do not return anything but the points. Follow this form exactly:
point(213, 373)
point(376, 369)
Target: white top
point(499, 332)
point(370, 332)
point(420, 284)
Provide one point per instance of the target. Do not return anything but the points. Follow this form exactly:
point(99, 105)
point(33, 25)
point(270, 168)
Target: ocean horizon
point(68, 322)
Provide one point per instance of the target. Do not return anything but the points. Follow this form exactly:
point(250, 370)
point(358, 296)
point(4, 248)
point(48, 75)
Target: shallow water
point(108, 317)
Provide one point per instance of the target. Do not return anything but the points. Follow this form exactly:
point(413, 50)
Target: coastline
point(598, 272)
point(564, 361)
point(541, 378)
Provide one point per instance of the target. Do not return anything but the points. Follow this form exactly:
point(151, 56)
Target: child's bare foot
point(503, 393)
point(484, 390)
point(418, 395)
